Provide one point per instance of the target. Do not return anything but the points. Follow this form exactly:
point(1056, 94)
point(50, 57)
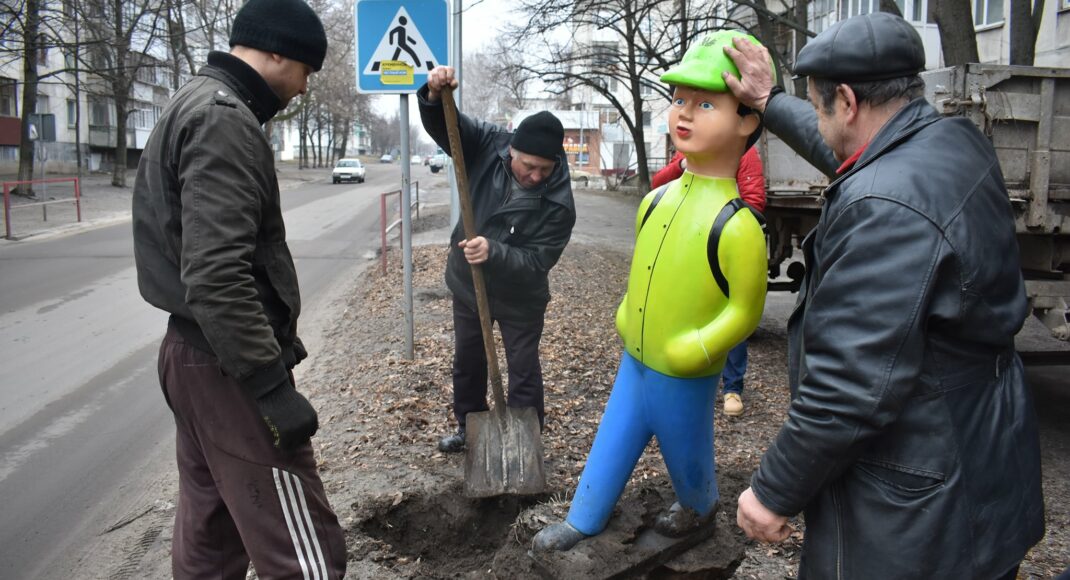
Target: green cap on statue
point(704, 62)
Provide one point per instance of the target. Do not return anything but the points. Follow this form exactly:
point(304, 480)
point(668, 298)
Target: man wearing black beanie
point(522, 200)
point(210, 249)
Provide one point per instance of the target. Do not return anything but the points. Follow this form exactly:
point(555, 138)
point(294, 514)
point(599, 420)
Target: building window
point(42, 105)
point(1064, 4)
point(9, 153)
point(147, 74)
point(821, 13)
point(987, 12)
point(72, 113)
point(603, 54)
point(646, 118)
point(7, 97)
point(98, 113)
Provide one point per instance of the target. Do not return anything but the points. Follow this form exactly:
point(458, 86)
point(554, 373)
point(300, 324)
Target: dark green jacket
point(209, 239)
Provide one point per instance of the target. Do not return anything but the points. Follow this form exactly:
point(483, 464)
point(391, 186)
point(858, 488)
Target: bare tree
point(121, 36)
point(637, 41)
point(30, 28)
point(958, 41)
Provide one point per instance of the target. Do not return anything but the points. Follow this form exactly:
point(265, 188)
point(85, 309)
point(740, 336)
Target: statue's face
point(705, 122)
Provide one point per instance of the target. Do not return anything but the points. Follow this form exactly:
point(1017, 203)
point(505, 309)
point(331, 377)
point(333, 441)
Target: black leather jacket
point(209, 240)
point(911, 440)
point(527, 229)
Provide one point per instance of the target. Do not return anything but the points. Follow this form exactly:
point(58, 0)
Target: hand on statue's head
point(756, 72)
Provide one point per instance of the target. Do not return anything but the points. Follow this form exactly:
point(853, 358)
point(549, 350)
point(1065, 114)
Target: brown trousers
point(240, 498)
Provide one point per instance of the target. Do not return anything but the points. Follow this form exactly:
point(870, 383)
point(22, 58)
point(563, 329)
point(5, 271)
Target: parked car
point(414, 160)
point(348, 170)
point(386, 158)
point(438, 161)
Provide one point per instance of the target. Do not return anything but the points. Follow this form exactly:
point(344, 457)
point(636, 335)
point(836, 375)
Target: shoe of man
point(452, 443)
point(733, 405)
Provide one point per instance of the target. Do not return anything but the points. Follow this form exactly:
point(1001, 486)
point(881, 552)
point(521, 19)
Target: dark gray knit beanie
point(540, 134)
point(286, 27)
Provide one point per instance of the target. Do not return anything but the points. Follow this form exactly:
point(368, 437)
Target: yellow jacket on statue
point(671, 266)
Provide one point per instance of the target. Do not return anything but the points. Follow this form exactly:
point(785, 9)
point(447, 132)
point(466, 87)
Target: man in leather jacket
point(210, 248)
point(911, 441)
point(522, 200)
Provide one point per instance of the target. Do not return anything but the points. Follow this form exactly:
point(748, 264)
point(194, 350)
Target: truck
point(1025, 112)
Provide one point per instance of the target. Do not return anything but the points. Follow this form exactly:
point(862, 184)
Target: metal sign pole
point(455, 204)
point(406, 226)
point(396, 44)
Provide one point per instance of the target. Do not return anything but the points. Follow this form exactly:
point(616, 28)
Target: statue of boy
point(696, 289)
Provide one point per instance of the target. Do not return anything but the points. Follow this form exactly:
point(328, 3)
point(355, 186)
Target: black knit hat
point(286, 27)
point(540, 134)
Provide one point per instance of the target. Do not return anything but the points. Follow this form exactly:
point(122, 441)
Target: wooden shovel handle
point(468, 219)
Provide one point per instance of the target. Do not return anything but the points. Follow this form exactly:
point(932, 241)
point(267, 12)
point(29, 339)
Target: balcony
point(104, 136)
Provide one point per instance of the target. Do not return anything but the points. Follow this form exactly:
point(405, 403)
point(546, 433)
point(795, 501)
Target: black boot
point(452, 443)
point(557, 537)
point(680, 521)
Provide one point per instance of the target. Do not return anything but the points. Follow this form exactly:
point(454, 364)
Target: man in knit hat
point(522, 200)
point(210, 248)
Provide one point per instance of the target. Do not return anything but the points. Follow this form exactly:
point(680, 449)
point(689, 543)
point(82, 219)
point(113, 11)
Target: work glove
point(288, 415)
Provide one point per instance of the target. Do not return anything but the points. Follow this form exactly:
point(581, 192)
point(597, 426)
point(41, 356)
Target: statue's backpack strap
point(730, 209)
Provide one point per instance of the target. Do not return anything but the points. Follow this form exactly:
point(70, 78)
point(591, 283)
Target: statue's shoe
point(557, 537)
point(679, 521)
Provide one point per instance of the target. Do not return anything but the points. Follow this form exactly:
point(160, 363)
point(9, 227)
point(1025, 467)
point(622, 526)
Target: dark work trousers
point(240, 498)
point(470, 363)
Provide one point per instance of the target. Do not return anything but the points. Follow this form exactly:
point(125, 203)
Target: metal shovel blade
point(504, 454)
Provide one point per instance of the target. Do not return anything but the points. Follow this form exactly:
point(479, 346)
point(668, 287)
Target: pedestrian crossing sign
point(398, 42)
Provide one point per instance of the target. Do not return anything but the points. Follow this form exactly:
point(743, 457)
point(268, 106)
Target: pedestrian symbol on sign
point(403, 43)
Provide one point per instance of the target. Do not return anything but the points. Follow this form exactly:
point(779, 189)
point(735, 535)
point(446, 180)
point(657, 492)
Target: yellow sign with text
point(395, 72)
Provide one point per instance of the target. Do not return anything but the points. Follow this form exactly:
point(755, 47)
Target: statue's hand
point(686, 354)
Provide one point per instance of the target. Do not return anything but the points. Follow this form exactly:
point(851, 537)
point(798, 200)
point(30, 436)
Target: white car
point(415, 160)
point(438, 161)
point(348, 170)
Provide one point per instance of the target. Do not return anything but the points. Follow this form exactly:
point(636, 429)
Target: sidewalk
point(102, 203)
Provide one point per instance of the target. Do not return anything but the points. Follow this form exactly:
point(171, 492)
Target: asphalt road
point(82, 420)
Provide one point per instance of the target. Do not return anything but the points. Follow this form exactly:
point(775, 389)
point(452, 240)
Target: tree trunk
point(958, 40)
point(118, 176)
point(800, 41)
point(890, 7)
point(1023, 34)
point(30, 38)
point(78, 96)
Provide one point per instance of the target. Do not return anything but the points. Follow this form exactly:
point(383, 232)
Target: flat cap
point(870, 47)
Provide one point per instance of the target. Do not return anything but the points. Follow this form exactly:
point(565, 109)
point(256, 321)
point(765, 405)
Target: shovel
point(504, 445)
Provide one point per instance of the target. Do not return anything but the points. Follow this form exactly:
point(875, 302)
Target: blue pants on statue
point(644, 404)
